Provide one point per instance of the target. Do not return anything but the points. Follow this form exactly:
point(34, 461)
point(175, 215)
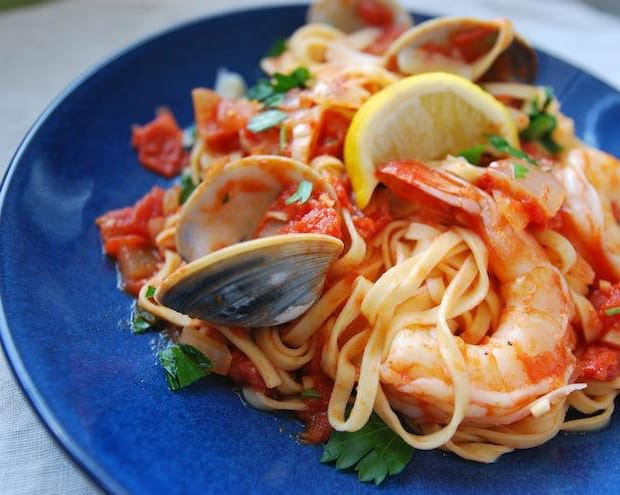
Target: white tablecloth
point(43, 48)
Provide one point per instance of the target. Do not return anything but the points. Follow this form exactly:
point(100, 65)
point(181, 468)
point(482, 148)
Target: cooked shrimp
point(527, 356)
point(589, 216)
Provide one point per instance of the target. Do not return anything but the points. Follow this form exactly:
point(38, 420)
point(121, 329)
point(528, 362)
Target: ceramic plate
point(100, 390)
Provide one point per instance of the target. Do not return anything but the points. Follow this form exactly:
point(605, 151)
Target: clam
point(232, 277)
point(472, 48)
point(518, 63)
point(349, 15)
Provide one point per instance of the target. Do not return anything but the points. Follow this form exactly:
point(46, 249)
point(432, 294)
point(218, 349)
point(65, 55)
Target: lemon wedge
point(423, 117)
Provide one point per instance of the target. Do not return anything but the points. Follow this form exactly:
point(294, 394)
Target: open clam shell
point(518, 63)
point(228, 205)
point(346, 14)
point(258, 283)
point(460, 45)
point(232, 280)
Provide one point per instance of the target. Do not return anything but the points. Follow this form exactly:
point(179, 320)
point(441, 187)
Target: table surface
point(44, 47)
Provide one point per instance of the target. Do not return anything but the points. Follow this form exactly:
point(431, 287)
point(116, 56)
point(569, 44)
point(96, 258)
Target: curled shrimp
point(526, 357)
point(589, 216)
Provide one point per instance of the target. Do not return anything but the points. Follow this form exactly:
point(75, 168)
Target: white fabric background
point(45, 47)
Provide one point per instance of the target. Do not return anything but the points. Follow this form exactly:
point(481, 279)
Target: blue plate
point(100, 390)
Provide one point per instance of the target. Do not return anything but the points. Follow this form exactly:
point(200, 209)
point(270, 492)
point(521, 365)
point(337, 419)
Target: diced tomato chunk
point(136, 265)
point(374, 13)
point(132, 220)
point(604, 299)
point(332, 131)
point(599, 362)
point(160, 145)
point(375, 216)
point(219, 121)
point(320, 220)
point(243, 371)
point(314, 216)
point(112, 245)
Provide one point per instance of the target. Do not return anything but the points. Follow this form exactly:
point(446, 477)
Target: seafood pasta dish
point(395, 235)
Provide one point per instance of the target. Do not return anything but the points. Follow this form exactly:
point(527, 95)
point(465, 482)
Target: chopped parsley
point(310, 393)
point(184, 365)
point(143, 321)
point(187, 188)
point(374, 451)
point(297, 79)
point(520, 171)
point(613, 311)
point(266, 120)
point(302, 194)
point(260, 91)
point(270, 92)
point(277, 48)
point(473, 154)
point(542, 124)
point(500, 144)
point(150, 291)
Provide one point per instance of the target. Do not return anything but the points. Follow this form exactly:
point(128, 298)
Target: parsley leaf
point(297, 79)
point(270, 92)
point(302, 194)
point(549, 95)
point(542, 124)
point(187, 188)
point(277, 48)
point(374, 450)
point(261, 90)
point(613, 311)
point(520, 171)
point(150, 291)
point(143, 321)
point(310, 393)
point(184, 365)
point(503, 146)
point(266, 120)
point(473, 154)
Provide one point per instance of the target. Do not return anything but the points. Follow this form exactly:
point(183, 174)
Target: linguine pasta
point(471, 330)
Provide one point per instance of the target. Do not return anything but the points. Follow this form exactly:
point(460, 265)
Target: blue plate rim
point(34, 398)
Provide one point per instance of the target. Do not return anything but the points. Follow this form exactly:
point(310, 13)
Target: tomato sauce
point(332, 131)
point(599, 362)
point(243, 371)
point(466, 45)
point(314, 216)
point(318, 429)
point(373, 218)
point(374, 13)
